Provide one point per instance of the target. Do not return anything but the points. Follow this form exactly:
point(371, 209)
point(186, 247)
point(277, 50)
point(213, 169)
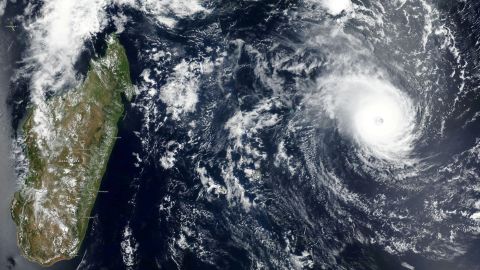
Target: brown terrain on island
point(52, 206)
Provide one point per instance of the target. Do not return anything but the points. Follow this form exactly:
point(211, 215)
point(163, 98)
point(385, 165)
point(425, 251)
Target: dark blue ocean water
point(136, 195)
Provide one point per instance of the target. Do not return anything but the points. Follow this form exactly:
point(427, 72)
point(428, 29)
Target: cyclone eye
point(379, 121)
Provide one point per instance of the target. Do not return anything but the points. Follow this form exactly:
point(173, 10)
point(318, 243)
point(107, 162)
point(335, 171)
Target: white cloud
point(166, 12)
point(129, 247)
point(335, 7)
point(3, 4)
point(167, 161)
point(180, 92)
point(119, 21)
point(58, 35)
point(248, 124)
point(476, 216)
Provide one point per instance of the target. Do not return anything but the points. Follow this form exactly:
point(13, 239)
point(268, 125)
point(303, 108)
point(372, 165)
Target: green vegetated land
point(65, 168)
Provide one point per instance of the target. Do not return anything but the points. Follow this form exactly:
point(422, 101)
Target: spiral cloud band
point(379, 117)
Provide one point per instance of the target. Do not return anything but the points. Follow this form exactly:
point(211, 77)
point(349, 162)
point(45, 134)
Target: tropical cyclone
point(53, 205)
